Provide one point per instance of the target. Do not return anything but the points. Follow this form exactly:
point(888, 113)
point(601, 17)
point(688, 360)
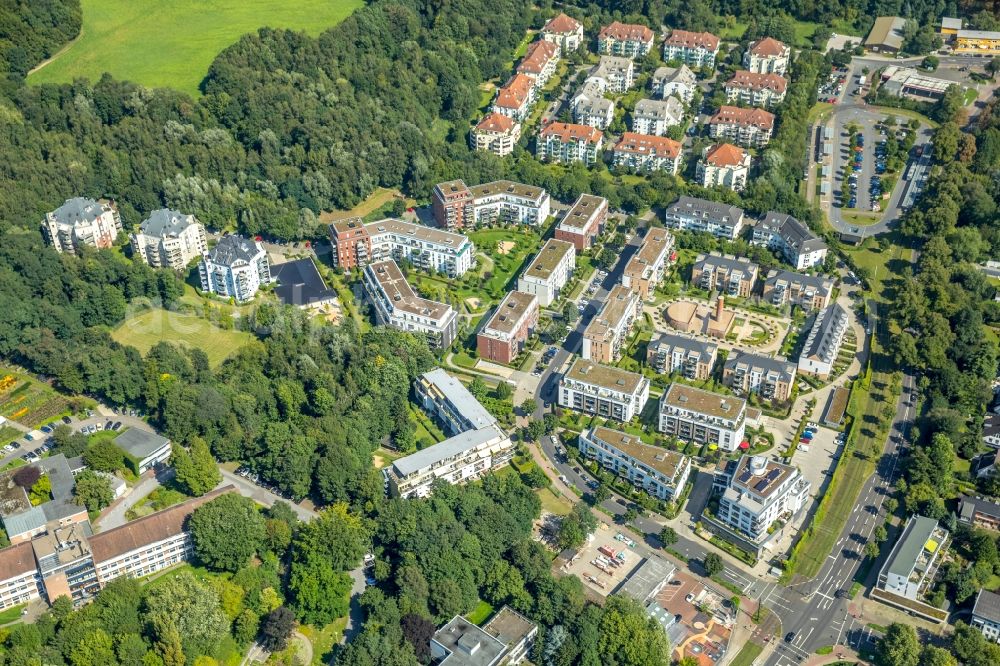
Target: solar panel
point(773, 474)
point(760, 485)
point(745, 476)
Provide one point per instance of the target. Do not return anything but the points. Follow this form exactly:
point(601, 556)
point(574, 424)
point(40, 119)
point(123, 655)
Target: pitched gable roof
point(769, 47)
point(562, 24)
point(725, 155)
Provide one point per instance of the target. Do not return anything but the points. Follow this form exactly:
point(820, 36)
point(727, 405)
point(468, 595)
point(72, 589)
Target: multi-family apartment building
point(81, 221)
point(794, 240)
point(986, 615)
point(540, 62)
point(679, 82)
point(625, 39)
point(646, 153)
point(658, 471)
point(584, 221)
point(603, 390)
point(746, 127)
point(655, 116)
point(456, 205)
point(694, 415)
point(565, 143)
point(689, 357)
point(823, 344)
point(504, 335)
point(979, 511)
point(646, 269)
point(19, 580)
point(591, 107)
point(169, 239)
point(506, 640)
point(514, 98)
point(693, 214)
point(914, 559)
point(756, 493)
point(724, 165)
point(608, 331)
point(694, 49)
point(752, 89)
point(809, 292)
point(356, 243)
point(395, 304)
point(235, 268)
point(496, 134)
point(767, 56)
point(770, 378)
point(616, 74)
point(728, 274)
point(549, 271)
point(476, 444)
point(564, 31)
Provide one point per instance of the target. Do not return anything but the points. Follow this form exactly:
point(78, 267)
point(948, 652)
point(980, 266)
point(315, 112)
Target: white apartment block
point(770, 378)
point(760, 492)
point(718, 219)
point(80, 222)
point(235, 268)
point(658, 471)
point(694, 415)
point(646, 269)
point(564, 31)
point(515, 98)
point(763, 90)
point(694, 49)
point(767, 56)
point(590, 107)
point(823, 344)
point(20, 583)
point(679, 82)
point(565, 143)
point(655, 116)
point(724, 165)
point(616, 74)
point(629, 40)
point(549, 271)
point(540, 62)
point(505, 202)
point(356, 243)
point(169, 239)
point(914, 559)
point(603, 391)
point(396, 305)
point(608, 331)
point(496, 134)
point(646, 153)
point(794, 240)
point(751, 128)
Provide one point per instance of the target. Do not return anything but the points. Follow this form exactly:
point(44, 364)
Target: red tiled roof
point(562, 24)
point(754, 81)
point(569, 132)
point(733, 115)
point(767, 47)
point(705, 40)
point(16, 560)
point(539, 53)
point(644, 144)
point(626, 32)
point(496, 123)
point(515, 92)
point(725, 155)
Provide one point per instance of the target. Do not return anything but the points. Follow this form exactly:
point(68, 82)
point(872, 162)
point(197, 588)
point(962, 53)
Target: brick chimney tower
point(718, 308)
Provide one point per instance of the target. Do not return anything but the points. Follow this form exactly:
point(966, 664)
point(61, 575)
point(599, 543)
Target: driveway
point(114, 515)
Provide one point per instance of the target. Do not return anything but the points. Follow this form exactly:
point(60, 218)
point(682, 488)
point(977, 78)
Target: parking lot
point(816, 459)
point(604, 562)
point(254, 478)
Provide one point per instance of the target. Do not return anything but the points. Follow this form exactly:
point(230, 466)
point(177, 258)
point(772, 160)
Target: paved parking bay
point(816, 463)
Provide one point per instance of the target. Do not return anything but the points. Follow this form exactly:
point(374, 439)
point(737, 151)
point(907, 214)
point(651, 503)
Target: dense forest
point(33, 30)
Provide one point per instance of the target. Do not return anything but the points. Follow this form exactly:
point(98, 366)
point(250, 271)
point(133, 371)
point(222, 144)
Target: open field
point(28, 401)
point(173, 43)
point(156, 325)
point(380, 197)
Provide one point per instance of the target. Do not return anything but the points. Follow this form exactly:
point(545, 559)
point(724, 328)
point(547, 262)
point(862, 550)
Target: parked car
point(67, 420)
point(117, 425)
point(46, 429)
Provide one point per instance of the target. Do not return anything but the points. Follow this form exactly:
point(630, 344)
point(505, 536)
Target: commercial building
point(823, 344)
point(549, 271)
point(507, 331)
point(565, 143)
point(979, 512)
point(144, 450)
point(767, 56)
point(724, 165)
point(752, 89)
point(692, 214)
point(540, 62)
point(949, 28)
point(980, 42)
point(625, 39)
point(300, 284)
point(584, 221)
point(564, 31)
point(752, 128)
point(657, 471)
point(169, 239)
point(694, 415)
point(617, 75)
point(731, 275)
point(235, 268)
point(642, 152)
point(912, 83)
point(81, 222)
point(456, 205)
point(758, 494)
point(477, 443)
point(514, 98)
point(655, 116)
point(591, 107)
point(603, 390)
point(694, 49)
point(646, 269)
point(986, 615)
point(886, 35)
point(356, 243)
point(505, 640)
point(608, 331)
point(689, 357)
point(770, 378)
point(794, 240)
point(914, 558)
point(395, 304)
point(496, 134)
point(679, 82)
point(809, 292)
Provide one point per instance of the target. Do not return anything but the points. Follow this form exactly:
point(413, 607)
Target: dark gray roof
point(726, 261)
point(299, 283)
point(991, 424)
point(139, 443)
point(765, 363)
point(916, 534)
point(449, 448)
point(795, 234)
point(60, 476)
point(166, 223)
point(683, 342)
point(968, 506)
point(78, 209)
point(659, 109)
point(820, 283)
point(233, 249)
point(826, 320)
point(651, 575)
point(705, 209)
point(987, 606)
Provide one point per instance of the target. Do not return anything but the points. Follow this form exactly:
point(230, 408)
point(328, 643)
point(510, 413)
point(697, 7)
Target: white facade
point(761, 492)
point(22, 583)
point(564, 31)
point(767, 56)
point(750, 89)
point(395, 304)
point(496, 134)
point(794, 240)
point(549, 271)
point(695, 49)
point(617, 74)
point(694, 415)
point(744, 127)
point(148, 559)
point(691, 214)
point(235, 268)
point(721, 167)
point(169, 239)
point(658, 471)
point(823, 344)
point(914, 559)
point(565, 143)
point(80, 222)
point(590, 107)
point(986, 615)
point(679, 82)
point(507, 202)
point(603, 390)
point(654, 117)
point(644, 152)
point(427, 248)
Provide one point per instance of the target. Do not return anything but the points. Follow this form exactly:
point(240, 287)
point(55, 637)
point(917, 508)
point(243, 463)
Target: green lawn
point(748, 654)
point(172, 44)
point(10, 614)
point(156, 325)
point(480, 613)
point(554, 503)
